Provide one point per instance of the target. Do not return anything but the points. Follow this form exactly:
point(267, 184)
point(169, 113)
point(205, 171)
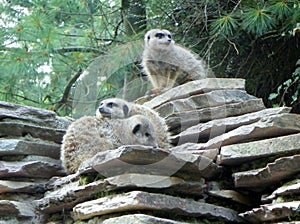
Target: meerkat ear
point(136, 128)
point(125, 110)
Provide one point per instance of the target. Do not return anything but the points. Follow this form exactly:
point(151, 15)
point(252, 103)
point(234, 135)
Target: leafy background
point(66, 56)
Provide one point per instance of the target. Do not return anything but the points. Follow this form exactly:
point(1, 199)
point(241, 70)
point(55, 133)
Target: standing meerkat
point(89, 135)
point(119, 108)
point(168, 64)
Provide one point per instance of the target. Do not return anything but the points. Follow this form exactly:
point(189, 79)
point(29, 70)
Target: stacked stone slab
point(29, 156)
point(233, 161)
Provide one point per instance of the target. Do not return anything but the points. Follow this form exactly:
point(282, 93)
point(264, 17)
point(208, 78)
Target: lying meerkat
point(168, 64)
point(88, 135)
point(119, 108)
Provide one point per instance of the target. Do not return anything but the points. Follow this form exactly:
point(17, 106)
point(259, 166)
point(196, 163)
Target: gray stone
point(138, 200)
point(290, 188)
point(272, 126)
point(272, 212)
point(196, 87)
point(40, 117)
point(240, 153)
point(23, 147)
point(7, 186)
point(16, 209)
point(179, 122)
point(280, 169)
point(32, 166)
point(148, 160)
point(193, 148)
point(233, 196)
point(20, 129)
point(211, 129)
point(210, 99)
point(140, 219)
point(70, 194)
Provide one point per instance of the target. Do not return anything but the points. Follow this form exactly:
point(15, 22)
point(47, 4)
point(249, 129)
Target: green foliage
point(227, 25)
point(290, 88)
point(258, 21)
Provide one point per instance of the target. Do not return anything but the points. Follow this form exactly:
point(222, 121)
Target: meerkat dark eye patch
point(169, 36)
point(160, 35)
point(126, 109)
point(136, 128)
point(111, 105)
point(147, 135)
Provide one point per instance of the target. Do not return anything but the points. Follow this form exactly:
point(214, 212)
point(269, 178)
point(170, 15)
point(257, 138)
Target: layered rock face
point(233, 161)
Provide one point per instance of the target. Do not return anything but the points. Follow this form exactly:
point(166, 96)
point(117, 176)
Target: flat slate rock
point(23, 147)
point(272, 126)
point(186, 119)
point(280, 169)
point(148, 160)
point(32, 167)
point(16, 209)
point(196, 87)
point(272, 212)
point(20, 129)
point(32, 115)
point(290, 188)
point(234, 196)
point(211, 129)
point(139, 200)
point(70, 194)
point(139, 219)
point(7, 186)
point(206, 100)
point(239, 153)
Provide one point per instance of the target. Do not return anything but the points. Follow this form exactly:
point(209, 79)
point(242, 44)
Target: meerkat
point(119, 108)
point(168, 64)
point(89, 135)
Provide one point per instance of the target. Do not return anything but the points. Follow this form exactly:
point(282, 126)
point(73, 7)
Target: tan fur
point(119, 108)
point(167, 64)
point(88, 135)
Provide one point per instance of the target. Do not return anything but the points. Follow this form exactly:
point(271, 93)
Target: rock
point(138, 200)
point(193, 148)
point(40, 117)
point(16, 209)
point(148, 160)
point(211, 129)
point(272, 212)
point(183, 120)
point(23, 147)
point(290, 188)
point(7, 186)
point(280, 169)
point(20, 129)
point(32, 166)
point(234, 196)
point(73, 193)
point(195, 87)
point(206, 100)
point(272, 126)
point(240, 153)
point(139, 219)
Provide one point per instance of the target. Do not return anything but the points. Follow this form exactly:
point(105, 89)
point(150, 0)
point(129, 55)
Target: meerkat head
point(158, 39)
point(113, 108)
point(143, 131)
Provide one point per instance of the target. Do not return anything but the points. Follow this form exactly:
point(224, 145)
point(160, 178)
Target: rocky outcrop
point(233, 161)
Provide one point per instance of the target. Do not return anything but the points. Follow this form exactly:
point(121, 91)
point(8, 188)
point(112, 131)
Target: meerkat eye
point(111, 105)
point(147, 135)
point(148, 37)
point(160, 35)
point(169, 36)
